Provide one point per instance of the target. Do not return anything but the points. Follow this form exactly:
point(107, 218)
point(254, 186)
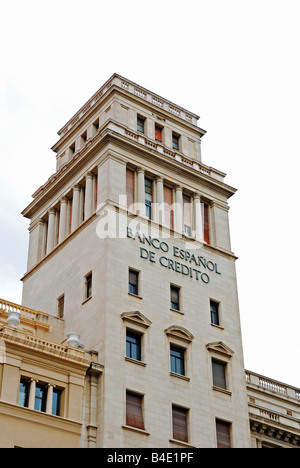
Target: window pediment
point(137, 318)
point(182, 333)
point(220, 348)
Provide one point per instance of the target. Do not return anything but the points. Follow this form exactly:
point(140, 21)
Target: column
point(76, 208)
point(198, 218)
point(141, 192)
point(32, 394)
point(178, 224)
point(88, 207)
point(51, 231)
point(49, 402)
point(159, 200)
point(63, 219)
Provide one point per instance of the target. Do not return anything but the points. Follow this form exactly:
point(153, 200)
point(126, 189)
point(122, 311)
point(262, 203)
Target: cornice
point(117, 82)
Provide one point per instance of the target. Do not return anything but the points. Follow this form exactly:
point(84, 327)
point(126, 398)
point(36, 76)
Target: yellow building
point(130, 260)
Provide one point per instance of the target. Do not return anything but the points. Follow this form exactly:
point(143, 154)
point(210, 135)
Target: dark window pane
point(56, 402)
point(40, 398)
point(177, 360)
point(24, 393)
point(175, 142)
point(133, 346)
point(88, 286)
point(174, 298)
point(140, 125)
point(214, 313)
point(133, 282)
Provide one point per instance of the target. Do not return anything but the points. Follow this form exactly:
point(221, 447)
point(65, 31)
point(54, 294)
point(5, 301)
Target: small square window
point(177, 360)
point(140, 124)
point(133, 345)
point(133, 286)
point(175, 297)
point(214, 313)
point(88, 285)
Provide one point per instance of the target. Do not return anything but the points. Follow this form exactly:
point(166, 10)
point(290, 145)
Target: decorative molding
point(182, 333)
point(137, 318)
point(220, 348)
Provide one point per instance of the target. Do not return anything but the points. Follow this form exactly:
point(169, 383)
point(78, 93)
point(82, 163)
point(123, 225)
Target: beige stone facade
point(130, 248)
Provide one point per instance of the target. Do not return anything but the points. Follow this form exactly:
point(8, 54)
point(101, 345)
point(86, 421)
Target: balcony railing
point(272, 385)
point(26, 314)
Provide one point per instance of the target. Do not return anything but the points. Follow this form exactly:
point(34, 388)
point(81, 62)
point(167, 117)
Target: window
point(214, 313)
point(175, 141)
point(177, 360)
point(133, 286)
point(223, 434)
point(168, 207)
point(130, 188)
point(88, 285)
point(175, 299)
point(72, 148)
point(187, 215)
point(24, 393)
point(40, 397)
point(133, 345)
point(134, 410)
point(219, 374)
point(158, 133)
point(61, 306)
point(148, 197)
point(206, 223)
point(180, 423)
point(140, 124)
point(56, 402)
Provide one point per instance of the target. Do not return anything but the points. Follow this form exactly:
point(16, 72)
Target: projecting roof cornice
point(117, 81)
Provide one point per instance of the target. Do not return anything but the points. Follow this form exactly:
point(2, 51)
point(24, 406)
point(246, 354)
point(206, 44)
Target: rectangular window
point(219, 374)
point(140, 124)
point(180, 423)
point(88, 285)
point(223, 434)
point(175, 297)
point(175, 142)
point(158, 133)
point(206, 222)
point(168, 207)
point(134, 410)
point(56, 402)
point(40, 397)
point(177, 360)
point(61, 307)
point(133, 345)
point(24, 393)
point(130, 188)
point(133, 286)
point(148, 197)
point(187, 215)
point(214, 313)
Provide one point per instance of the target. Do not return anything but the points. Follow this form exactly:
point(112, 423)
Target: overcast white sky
point(235, 63)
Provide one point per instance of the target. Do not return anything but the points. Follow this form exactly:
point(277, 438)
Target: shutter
point(206, 222)
point(134, 412)
point(168, 207)
point(223, 435)
point(219, 377)
point(174, 295)
point(158, 134)
point(180, 431)
point(130, 187)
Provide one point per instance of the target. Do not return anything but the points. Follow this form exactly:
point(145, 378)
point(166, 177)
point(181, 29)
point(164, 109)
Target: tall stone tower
point(130, 245)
